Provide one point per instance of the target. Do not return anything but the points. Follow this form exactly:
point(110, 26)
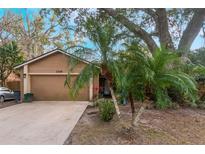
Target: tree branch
point(151, 12)
point(154, 33)
point(192, 30)
point(138, 31)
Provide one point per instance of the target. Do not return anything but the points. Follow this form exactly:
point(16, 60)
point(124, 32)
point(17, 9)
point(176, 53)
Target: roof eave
point(49, 53)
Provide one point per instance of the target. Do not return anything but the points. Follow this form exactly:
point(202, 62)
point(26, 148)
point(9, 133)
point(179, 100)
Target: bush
point(107, 110)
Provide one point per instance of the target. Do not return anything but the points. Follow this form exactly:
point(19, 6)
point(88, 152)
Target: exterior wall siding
point(55, 63)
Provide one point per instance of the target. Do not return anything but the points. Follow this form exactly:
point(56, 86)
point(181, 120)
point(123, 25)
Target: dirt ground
point(181, 126)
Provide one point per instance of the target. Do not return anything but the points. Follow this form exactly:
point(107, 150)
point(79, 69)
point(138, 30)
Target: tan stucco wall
point(54, 63)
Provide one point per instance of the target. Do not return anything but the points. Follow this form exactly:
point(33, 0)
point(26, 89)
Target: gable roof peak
point(49, 53)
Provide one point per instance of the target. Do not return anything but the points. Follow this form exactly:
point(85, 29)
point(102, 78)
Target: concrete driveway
point(39, 122)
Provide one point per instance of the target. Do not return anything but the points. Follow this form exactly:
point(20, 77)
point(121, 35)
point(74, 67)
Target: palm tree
point(167, 73)
point(131, 75)
point(103, 34)
point(157, 72)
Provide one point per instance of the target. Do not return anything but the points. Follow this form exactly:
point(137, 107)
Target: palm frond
point(83, 78)
point(72, 63)
point(103, 35)
point(163, 59)
point(161, 71)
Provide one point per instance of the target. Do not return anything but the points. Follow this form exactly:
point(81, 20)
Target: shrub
point(107, 110)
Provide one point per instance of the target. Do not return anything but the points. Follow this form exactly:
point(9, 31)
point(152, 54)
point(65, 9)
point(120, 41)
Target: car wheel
point(1, 99)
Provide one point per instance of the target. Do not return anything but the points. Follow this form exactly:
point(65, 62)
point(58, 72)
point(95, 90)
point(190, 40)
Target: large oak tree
point(162, 27)
point(171, 28)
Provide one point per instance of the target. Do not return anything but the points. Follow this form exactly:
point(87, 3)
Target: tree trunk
point(3, 81)
point(109, 79)
point(132, 105)
point(136, 118)
point(192, 30)
point(115, 102)
point(163, 29)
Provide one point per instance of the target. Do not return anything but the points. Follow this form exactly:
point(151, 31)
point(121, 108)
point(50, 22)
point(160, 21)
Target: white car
point(6, 94)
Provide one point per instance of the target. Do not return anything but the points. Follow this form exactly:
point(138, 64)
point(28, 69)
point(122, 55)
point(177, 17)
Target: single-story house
point(44, 76)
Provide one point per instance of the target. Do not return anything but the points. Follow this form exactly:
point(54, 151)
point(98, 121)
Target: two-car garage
point(44, 76)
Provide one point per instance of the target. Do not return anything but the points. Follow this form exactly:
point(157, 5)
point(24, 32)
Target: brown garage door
point(51, 88)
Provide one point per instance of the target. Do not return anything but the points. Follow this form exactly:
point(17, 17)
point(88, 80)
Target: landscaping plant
point(135, 70)
point(156, 72)
point(107, 110)
point(165, 66)
point(104, 36)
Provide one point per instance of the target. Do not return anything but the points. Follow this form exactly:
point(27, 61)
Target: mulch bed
point(181, 126)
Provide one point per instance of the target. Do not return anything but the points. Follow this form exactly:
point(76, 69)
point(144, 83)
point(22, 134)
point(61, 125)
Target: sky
point(20, 11)
point(198, 42)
